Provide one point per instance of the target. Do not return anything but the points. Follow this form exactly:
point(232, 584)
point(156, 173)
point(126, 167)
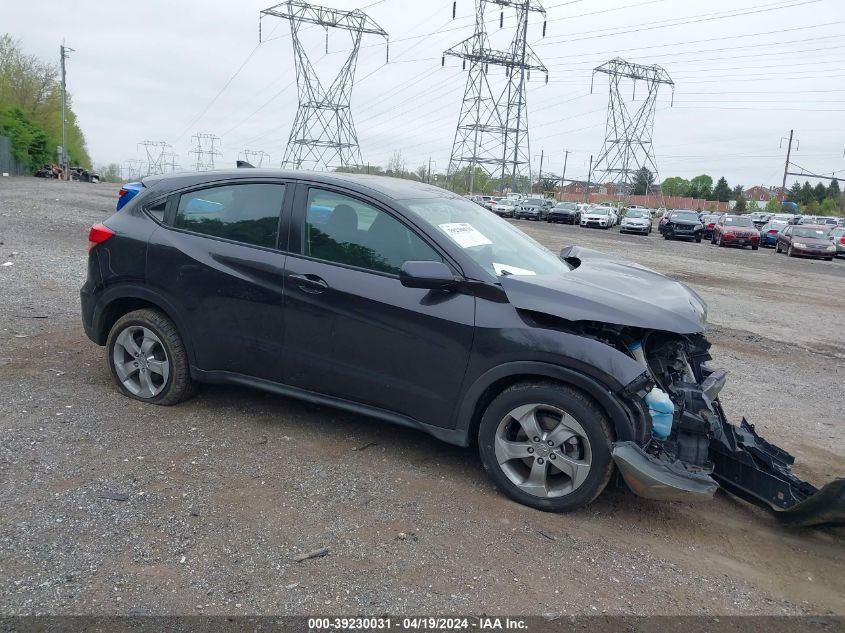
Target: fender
point(621, 420)
point(136, 291)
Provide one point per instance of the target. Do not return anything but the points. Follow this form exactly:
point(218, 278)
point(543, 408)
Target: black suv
point(415, 306)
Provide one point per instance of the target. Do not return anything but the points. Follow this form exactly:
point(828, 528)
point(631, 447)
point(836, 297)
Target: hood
point(684, 221)
point(609, 289)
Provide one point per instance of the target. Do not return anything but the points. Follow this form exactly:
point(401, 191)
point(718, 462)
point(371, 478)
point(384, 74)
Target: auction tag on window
point(464, 234)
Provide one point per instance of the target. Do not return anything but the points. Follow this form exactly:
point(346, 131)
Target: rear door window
point(247, 213)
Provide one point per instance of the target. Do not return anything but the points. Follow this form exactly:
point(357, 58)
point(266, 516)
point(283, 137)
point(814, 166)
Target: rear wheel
point(148, 360)
point(546, 445)
point(719, 242)
point(698, 239)
point(789, 252)
point(754, 247)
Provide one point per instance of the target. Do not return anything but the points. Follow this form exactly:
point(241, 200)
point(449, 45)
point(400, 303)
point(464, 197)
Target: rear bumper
point(740, 241)
point(652, 478)
point(88, 300)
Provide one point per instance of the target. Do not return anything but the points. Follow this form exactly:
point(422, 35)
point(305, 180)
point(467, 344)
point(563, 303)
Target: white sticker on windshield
point(510, 270)
point(464, 234)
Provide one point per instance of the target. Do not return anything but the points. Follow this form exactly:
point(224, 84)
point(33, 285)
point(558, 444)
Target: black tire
point(754, 247)
point(777, 248)
point(587, 413)
point(789, 252)
point(179, 386)
point(719, 242)
point(698, 239)
point(666, 236)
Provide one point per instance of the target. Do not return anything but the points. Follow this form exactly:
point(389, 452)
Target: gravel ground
point(221, 494)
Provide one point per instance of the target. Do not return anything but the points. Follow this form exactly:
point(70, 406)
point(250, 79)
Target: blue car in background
point(769, 233)
point(127, 192)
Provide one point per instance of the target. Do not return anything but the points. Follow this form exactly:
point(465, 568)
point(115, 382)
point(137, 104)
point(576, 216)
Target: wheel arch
point(119, 301)
point(494, 381)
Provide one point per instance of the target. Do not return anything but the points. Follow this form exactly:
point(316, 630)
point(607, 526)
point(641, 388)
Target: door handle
point(309, 283)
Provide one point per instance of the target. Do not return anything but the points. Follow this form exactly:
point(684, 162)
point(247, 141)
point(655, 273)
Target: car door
point(785, 238)
point(218, 259)
point(352, 330)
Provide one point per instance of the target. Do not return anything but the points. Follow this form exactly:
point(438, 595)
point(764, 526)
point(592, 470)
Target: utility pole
point(589, 178)
point(786, 165)
point(540, 181)
point(429, 170)
point(563, 173)
point(64, 53)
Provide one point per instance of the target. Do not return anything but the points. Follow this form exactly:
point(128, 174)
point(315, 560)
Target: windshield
point(819, 234)
point(567, 206)
point(537, 201)
point(635, 213)
point(683, 215)
point(735, 221)
point(598, 211)
point(494, 244)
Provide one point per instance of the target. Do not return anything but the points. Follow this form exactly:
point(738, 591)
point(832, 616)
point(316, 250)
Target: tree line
point(31, 109)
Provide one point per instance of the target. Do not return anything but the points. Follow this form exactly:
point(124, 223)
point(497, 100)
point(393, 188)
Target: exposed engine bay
point(693, 449)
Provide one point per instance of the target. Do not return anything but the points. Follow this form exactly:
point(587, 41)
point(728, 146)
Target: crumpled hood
point(609, 289)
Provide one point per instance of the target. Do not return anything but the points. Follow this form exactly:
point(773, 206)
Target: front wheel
point(147, 359)
point(546, 445)
point(698, 239)
point(789, 252)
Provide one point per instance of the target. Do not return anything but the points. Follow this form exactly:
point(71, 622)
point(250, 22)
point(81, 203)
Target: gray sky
point(746, 71)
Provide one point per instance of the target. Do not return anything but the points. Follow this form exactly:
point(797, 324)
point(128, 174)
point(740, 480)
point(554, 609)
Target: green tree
point(807, 194)
point(29, 141)
point(675, 186)
point(794, 193)
point(736, 192)
point(109, 173)
point(828, 207)
point(833, 190)
point(752, 206)
point(700, 187)
point(820, 191)
point(32, 86)
point(741, 205)
point(773, 206)
point(722, 192)
point(643, 180)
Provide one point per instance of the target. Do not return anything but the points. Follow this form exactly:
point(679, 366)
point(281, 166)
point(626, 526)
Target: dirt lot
point(224, 491)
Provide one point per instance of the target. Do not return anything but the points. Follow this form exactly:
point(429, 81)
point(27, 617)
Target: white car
point(505, 207)
point(636, 221)
point(600, 217)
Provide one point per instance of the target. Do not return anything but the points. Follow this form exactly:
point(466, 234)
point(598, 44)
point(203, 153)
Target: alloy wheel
point(140, 361)
point(543, 450)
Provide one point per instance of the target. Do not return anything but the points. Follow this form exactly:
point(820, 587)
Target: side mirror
point(429, 275)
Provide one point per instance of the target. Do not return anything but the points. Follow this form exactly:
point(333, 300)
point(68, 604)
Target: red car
point(807, 240)
point(735, 230)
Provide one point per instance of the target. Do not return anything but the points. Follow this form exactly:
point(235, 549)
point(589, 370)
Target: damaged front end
point(697, 448)
point(686, 448)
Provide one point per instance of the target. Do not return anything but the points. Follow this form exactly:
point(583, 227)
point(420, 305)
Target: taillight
point(123, 191)
point(842, 240)
point(98, 234)
point(773, 231)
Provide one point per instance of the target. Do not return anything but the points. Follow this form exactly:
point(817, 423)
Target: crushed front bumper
point(653, 478)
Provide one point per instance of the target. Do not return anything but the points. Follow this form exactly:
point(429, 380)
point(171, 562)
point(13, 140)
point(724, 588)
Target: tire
point(754, 247)
point(719, 242)
point(171, 382)
point(665, 236)
point(789, 252)
point(777, 248)
point(698, 239)
point(577, 417)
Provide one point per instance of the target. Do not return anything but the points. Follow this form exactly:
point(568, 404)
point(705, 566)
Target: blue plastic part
point(662, 411)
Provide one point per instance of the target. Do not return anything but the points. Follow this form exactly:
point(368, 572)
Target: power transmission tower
point(323, 134)
point(131, 169)
point(628, 133)
point(64, 53)
point(255, 158)
point(169, 162)
point(492, 132)
point(205, 150)
point(155, 152)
